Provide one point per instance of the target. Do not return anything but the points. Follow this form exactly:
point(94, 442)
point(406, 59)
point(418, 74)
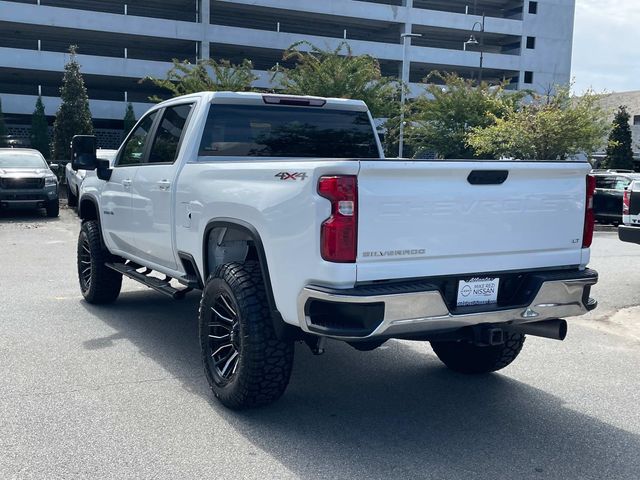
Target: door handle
point(126, 183)
point(164, 185)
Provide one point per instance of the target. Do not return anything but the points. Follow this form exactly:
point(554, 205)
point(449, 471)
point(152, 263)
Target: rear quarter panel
point(286, 212)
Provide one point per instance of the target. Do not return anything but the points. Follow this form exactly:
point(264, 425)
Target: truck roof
point(255, 98)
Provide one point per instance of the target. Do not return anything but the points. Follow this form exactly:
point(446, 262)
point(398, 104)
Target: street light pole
point(406, 67)
point(472, 41)
point(481, 63)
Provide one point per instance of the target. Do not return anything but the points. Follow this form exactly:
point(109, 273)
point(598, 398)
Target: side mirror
point(54, 167)
point(103, 170)
point(83, 152)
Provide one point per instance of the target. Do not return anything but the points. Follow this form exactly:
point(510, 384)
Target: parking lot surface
point(118, 391)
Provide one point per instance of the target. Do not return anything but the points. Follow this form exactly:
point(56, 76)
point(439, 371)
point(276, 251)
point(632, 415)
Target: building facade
point(631, 100)
point(121, 41)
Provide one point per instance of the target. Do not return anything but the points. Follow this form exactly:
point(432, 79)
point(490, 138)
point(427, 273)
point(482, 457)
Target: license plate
point(478, 291)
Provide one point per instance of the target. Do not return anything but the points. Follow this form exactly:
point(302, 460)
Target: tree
point(391, 126)
point(338, 73)
point(619, 150)
point(129, 119)
point(3, 125)
point(546, 127)
point(440, 120)
point(73, 117)
point(205, 76)
point(40, 129)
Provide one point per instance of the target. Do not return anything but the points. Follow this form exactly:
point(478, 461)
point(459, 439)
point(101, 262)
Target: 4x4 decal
point(302, 176)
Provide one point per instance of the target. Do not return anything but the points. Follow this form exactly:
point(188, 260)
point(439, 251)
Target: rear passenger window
point(170, 131)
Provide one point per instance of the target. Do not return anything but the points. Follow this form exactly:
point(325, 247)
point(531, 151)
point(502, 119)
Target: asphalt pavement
point(119, 392)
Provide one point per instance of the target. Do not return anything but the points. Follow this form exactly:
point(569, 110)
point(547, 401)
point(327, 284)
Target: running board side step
point(189, 281)
point(157, 284)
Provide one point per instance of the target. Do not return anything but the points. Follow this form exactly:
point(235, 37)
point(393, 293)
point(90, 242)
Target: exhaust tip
point(562, 329)
point(553, 329)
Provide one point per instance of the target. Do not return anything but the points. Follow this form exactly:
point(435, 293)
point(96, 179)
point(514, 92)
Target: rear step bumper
point(417, 308)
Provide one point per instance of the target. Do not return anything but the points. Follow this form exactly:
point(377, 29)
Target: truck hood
point(25, 172)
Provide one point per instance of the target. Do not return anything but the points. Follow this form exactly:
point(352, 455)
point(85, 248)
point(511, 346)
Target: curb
point(605, 228)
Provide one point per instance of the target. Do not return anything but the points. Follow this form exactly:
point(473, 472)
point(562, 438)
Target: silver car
point(27, 181)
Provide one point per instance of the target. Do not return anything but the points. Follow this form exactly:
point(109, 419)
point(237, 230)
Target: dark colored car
point(607, 201)
point(27, 181)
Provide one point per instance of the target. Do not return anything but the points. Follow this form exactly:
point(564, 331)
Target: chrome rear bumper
point(423, 312)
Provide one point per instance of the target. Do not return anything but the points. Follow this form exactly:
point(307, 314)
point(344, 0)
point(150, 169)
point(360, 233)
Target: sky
point(606, 46)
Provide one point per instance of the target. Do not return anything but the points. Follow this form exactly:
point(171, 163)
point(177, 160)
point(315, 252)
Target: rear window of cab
point(287, 131)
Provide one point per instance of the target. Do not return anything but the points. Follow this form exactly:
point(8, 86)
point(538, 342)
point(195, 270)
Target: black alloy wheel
point(224, 346)
point(98, 283)
point(84, 264)
point(245, 362)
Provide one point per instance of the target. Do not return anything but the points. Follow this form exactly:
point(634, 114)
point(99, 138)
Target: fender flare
point(283, 329)
point(91, 199)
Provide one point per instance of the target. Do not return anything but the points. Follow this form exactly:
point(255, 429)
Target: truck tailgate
point(431, 218)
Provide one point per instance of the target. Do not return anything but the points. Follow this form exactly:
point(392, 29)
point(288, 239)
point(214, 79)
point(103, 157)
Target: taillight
point(339, 233)
point(626, 201)
point(589, 218)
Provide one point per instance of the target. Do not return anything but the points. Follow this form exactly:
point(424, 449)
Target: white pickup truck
point(284, 213)
point(74, 178)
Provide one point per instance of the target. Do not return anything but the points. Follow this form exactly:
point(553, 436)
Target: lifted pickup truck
point(283, 211)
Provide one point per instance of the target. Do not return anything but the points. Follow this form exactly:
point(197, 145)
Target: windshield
point(279, 131)
point(21, 160)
